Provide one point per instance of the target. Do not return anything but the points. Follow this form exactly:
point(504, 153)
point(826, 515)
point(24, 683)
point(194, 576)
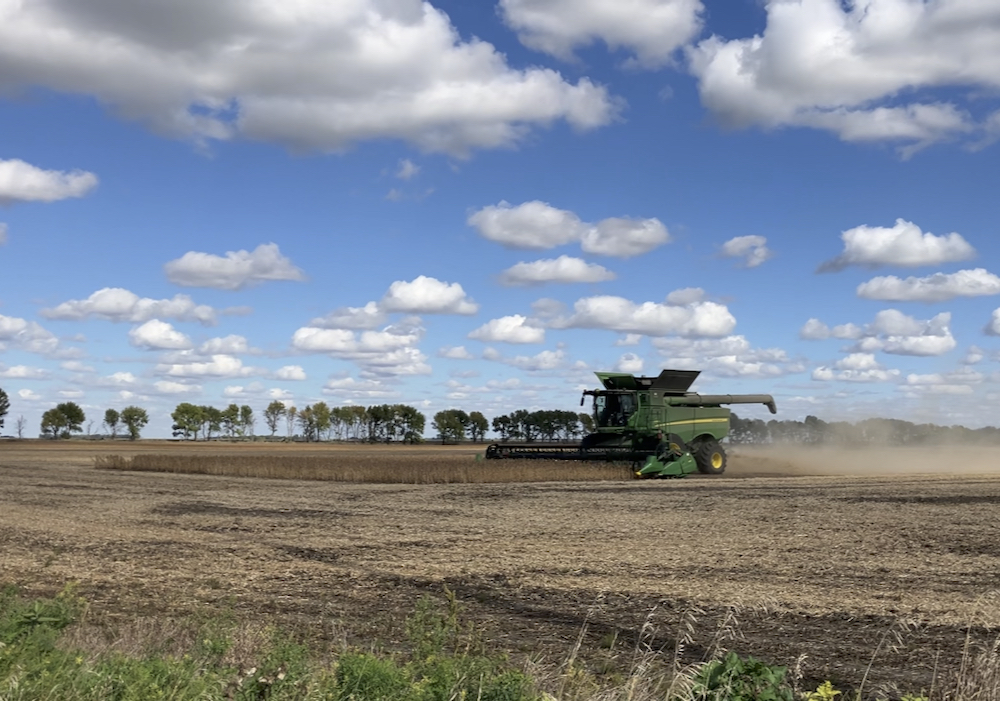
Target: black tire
point(710, 457)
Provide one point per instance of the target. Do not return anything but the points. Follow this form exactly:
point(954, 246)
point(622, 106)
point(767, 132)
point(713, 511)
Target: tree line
point(816, 431)
point(403, 423)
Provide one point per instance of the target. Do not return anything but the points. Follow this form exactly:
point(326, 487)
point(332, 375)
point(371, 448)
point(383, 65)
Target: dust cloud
point(800, 461)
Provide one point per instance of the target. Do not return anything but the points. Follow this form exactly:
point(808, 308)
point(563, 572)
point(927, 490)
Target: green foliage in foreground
point(737, 679)
point(446, 663)
point(34, 666)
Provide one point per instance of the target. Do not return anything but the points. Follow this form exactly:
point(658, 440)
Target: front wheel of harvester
point(710, 457)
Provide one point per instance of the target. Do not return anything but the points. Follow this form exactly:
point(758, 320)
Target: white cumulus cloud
point(694, 319)
point(158, 335)
point(23, 372)
point(391, 351)
point(455, 353)
point(232, 344)
point(544, 361)
point(862, 70)
point(427, 295)
point(904, 244)
point(939, 287)
point(290, 372)
point(752, 249)
point(26, 335)
point(538, 225)
point(630, 363)
point(170, 387)
point(651, 30)
point(993, 327)
point(730, 356)
point(509, 329)
point(856, 367)
point(23, 182)
point(234, 271)
point(369, 316)
point(891, 331)
point(564, 269)
point(217, 366)
point(310, 75)
point(117, 304)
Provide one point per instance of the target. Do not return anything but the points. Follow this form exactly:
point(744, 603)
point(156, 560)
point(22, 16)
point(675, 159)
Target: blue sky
point(477, 206)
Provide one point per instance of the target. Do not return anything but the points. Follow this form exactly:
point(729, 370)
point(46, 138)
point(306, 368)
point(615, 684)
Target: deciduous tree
point(111, 417)
point(53, 423)
point(451, 425)
point(273, 414)
point(478, 426)
point(135, 419)
point(188, 420)
point(247, 420)
point(4, 406)
point(74, 416)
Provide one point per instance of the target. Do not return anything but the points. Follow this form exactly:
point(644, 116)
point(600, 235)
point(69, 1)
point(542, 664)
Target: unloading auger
point(655, 423)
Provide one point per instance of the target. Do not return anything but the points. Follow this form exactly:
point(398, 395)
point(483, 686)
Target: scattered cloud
point(537, 225)
point(427, 295)
point(290, 372)
point(391, 351)
point(170, 387)
point(23, 372)
point(843, 68)
point(939, 287)
point(3, 233)
point(993, 327)
point(904, 245)
point(369, 388)
point(455, 353)
point(816, 330)
point(29, 395)
point(216, 367)
point(651, 30)
point(509, 329)
point(892, 332)
point(730, 356)
point(121, 305)
point(545, 361)
point(752, 249)
point(27, 335)
point(369, 316)
point(681, 316)
point(564, 269)
point(376, 70)
point(631, 363)
point(232, 344)
point(158, 335)
point(960, 382)
point(407, 169)
point(856, 367)
point(23, 182)
point(234, 271)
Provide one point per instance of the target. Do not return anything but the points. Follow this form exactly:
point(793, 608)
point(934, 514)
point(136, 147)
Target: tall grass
point(372, 468)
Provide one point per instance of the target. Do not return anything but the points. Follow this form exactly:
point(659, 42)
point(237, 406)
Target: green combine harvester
point(654, 423)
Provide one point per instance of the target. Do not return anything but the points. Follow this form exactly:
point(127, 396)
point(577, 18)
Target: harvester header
point(653, 422)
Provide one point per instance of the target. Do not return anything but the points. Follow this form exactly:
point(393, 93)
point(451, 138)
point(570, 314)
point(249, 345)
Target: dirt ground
point(826, 552)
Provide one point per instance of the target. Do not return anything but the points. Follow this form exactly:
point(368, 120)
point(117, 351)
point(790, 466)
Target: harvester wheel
point(710, 457)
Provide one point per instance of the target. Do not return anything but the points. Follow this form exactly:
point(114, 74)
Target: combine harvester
point(652, 422)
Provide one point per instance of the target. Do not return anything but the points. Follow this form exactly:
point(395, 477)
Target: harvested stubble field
point(838, 547)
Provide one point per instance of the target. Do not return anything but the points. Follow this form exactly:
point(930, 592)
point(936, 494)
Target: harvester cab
point(654, 423)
